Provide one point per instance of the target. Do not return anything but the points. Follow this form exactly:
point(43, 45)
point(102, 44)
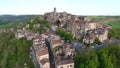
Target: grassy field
point(113, 24)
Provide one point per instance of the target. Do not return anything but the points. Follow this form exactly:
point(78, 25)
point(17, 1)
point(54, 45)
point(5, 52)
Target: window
point(70, 65)
point(61, 67)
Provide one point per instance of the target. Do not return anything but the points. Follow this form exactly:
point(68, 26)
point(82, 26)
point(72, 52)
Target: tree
point(67, 36)
point(55, 49)
point(31, 25)
point(97, 41)
point(106, 57)
point(13, 51)
point(105, 61)
point(112, 33)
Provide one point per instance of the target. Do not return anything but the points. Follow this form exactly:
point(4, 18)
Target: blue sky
point(77, 7)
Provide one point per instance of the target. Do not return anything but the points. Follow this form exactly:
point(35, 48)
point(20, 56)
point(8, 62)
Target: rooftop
point(60, 61)
point(55, 41)
point(42, 52)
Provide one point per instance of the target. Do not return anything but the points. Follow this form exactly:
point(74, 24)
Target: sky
point(77, 7)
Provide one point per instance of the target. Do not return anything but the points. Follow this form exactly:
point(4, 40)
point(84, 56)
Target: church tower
point(54, 10)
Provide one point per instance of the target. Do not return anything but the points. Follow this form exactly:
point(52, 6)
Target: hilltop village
point(61, 35)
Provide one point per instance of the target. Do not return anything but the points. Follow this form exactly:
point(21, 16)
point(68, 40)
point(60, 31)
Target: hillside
point(113, 21)
point(8, 20)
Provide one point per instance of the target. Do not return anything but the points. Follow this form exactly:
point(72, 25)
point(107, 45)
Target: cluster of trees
point(14, 53)
point(114, 33)
point(43, 25)
point(67, 36)
point(106, 57)
point(7, 21)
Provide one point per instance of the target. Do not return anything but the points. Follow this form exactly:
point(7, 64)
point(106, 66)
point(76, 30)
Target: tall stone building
point(54, 11)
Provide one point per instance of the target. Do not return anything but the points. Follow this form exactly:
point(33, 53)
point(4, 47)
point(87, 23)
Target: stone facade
point(68, 50)
point(70, 65)
point(41, 54)
point(64, 63)
point(45, 63)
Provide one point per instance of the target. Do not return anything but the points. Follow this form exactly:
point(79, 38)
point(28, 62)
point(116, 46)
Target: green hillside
point(11, 20)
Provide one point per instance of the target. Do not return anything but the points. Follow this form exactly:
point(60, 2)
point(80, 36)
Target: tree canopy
point(67, 36)
point(106, 57)
point(14, 53)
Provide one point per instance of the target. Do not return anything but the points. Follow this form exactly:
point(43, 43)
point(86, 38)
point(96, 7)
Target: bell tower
point(54, 10)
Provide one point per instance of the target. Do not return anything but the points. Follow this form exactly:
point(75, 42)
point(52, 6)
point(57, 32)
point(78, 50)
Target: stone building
point(64, 63)
point(45, 63)
point(55, 43)
point(68, 50)
point(43, 58)
point(19, 34)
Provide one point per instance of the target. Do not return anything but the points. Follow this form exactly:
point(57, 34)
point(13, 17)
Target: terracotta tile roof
point(66, 45)
point(66, 61)
point(42, 52)
point(60, 61)
point(56, 41)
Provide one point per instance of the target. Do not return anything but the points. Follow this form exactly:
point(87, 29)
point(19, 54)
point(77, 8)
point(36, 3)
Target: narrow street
point(51, 56)
point(34, 59)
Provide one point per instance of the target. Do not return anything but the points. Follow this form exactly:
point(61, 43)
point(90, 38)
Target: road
point(96, 47)
point(51, 56)
point(34, 59)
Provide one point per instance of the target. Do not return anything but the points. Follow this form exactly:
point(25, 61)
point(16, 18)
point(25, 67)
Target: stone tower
point(54, 10)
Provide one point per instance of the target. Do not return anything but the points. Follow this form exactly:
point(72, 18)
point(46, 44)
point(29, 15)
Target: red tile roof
point(42, 52)
point(66, 45)
point(64, 61)
point(56, 41)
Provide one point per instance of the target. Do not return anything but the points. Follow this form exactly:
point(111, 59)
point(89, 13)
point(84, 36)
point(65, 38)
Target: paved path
point(51, 56)
point(34, 59)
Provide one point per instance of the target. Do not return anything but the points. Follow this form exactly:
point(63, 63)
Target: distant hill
point(6, 20)
point(16, 19)
point(113, 21)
